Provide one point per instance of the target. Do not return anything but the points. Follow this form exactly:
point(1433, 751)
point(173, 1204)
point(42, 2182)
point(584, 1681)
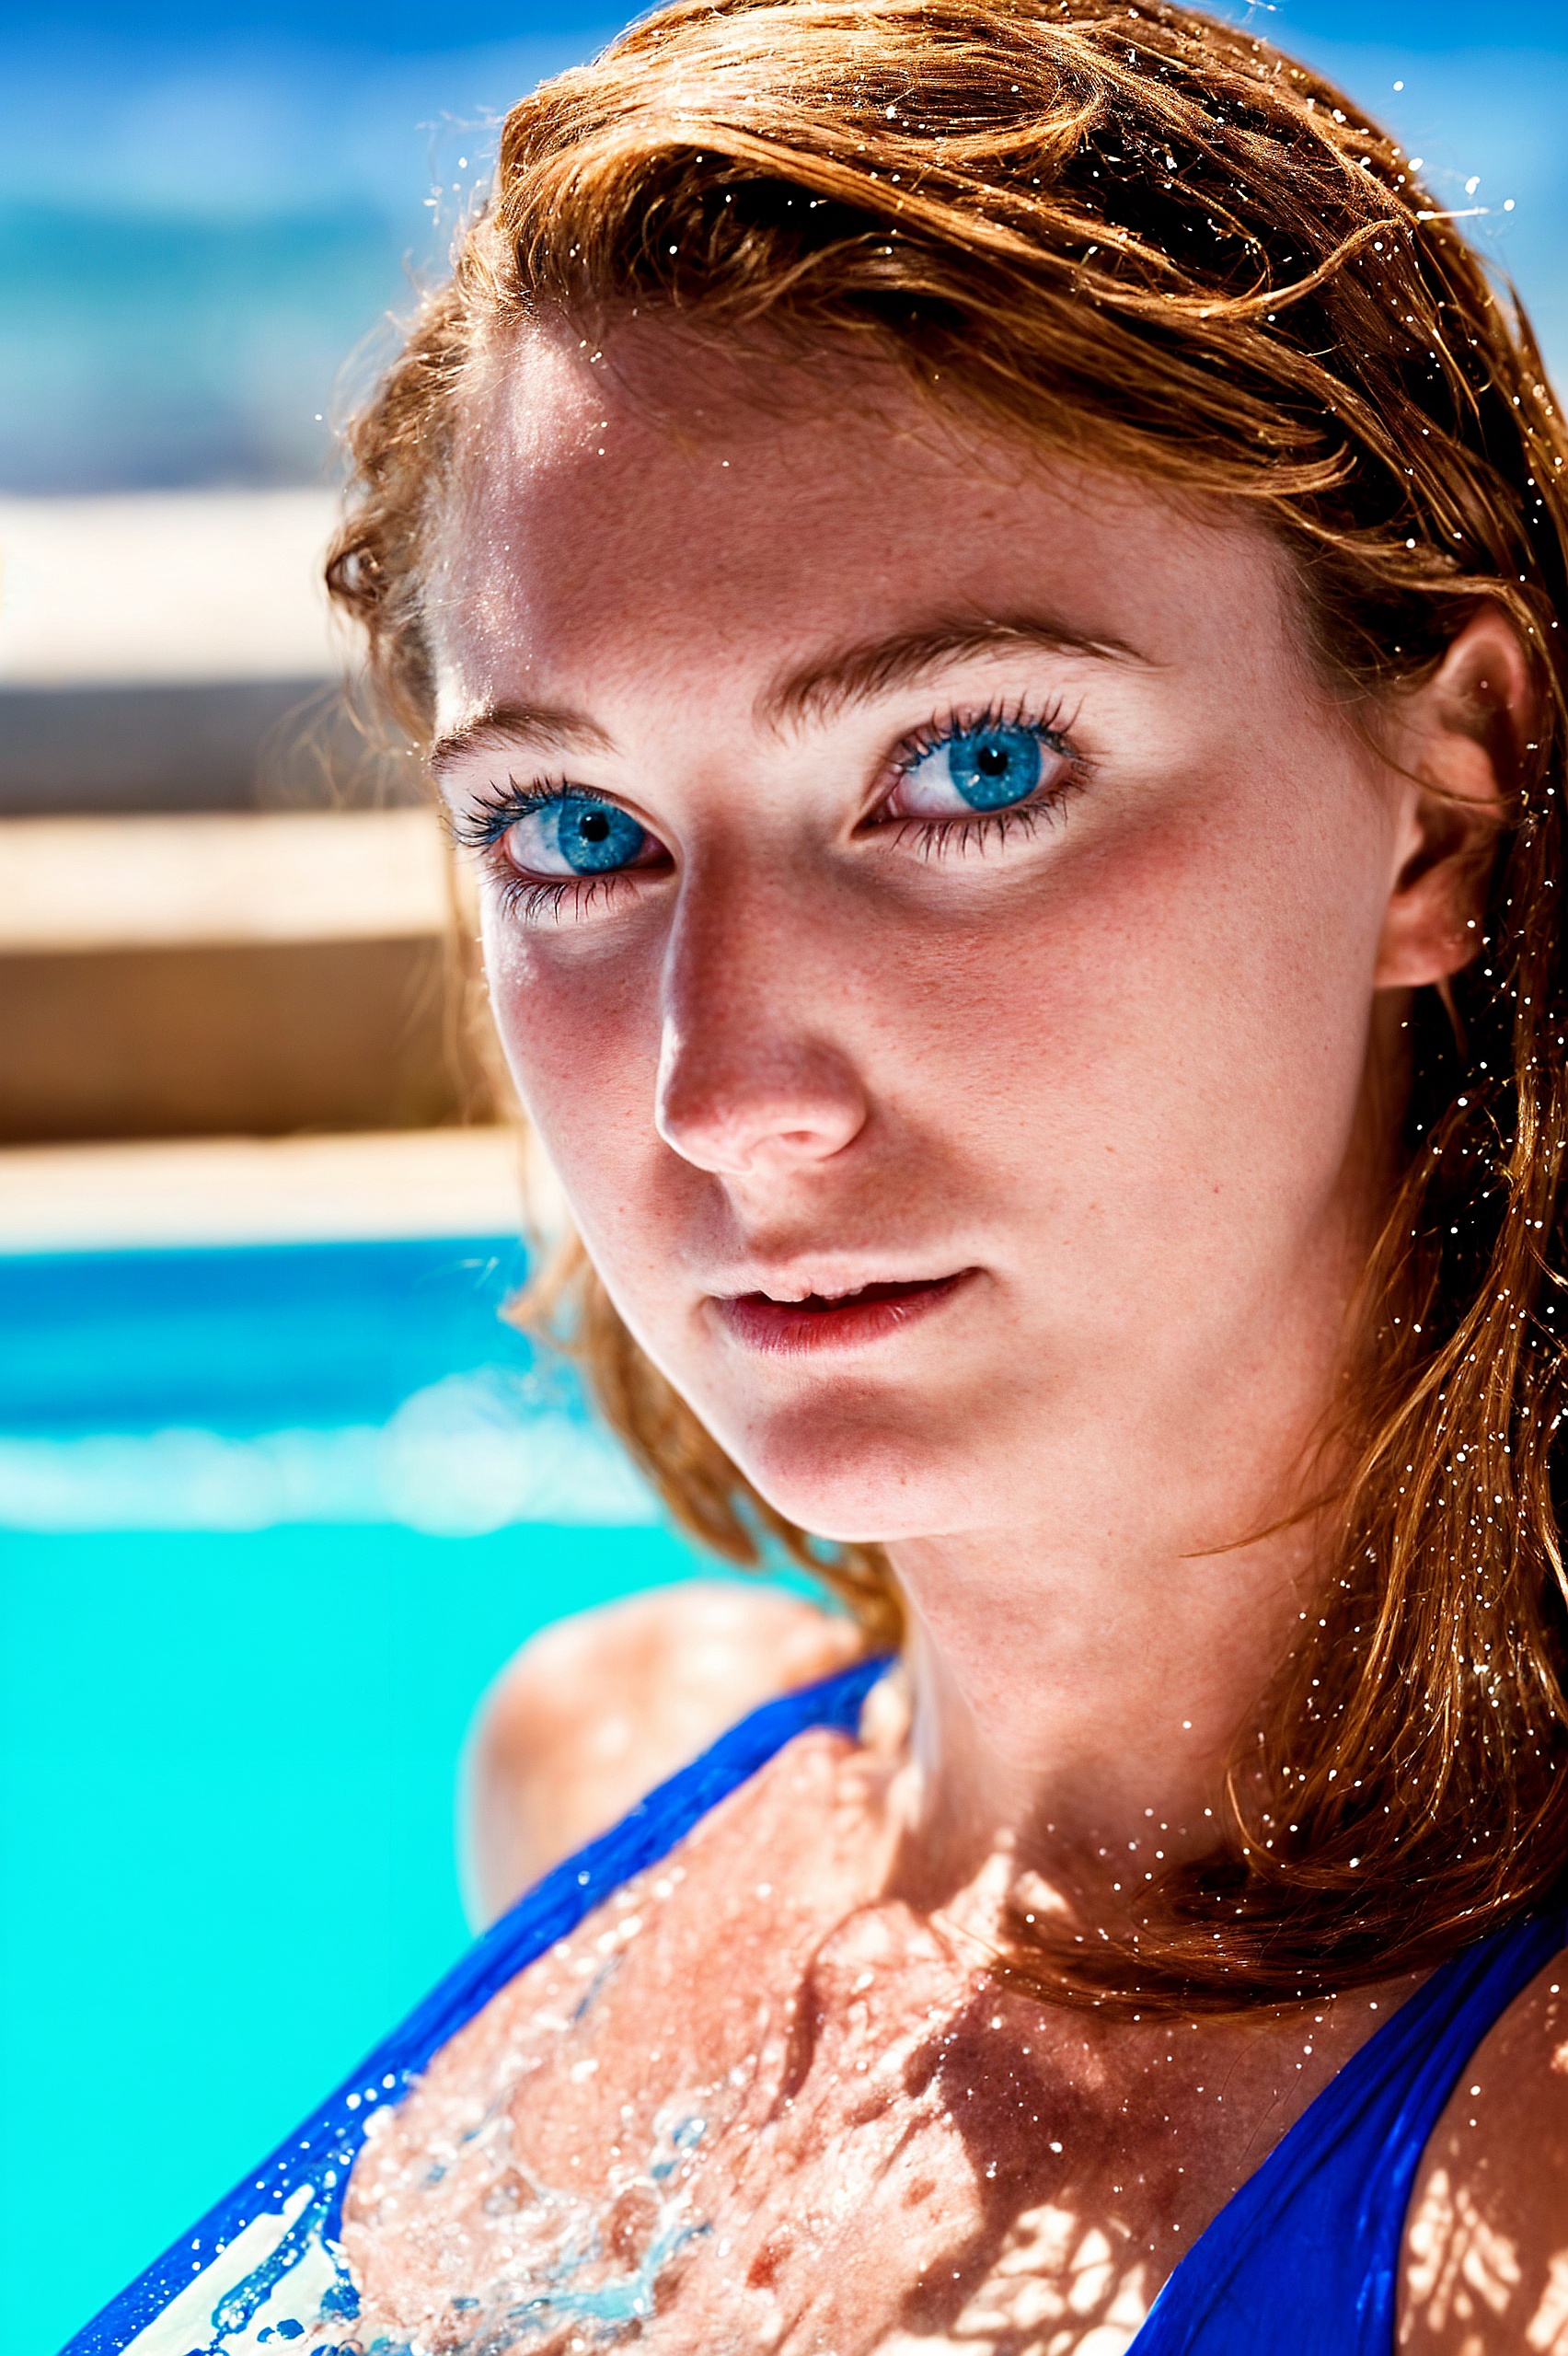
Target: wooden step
point(214, 973)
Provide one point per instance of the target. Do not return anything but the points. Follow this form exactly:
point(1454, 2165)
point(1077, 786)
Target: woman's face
point(933, 917)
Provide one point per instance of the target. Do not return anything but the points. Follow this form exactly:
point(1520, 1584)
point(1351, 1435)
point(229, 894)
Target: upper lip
point(820, 1280)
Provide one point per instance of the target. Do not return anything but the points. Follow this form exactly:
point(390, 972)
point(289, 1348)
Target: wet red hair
point(1148, 240)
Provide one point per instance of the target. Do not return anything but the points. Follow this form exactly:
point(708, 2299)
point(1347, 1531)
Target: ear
point(1459, 739)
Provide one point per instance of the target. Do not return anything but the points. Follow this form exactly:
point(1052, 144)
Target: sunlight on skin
point(1456, 2260)
point(595, 1710)
point(1052, 2272)
point(1114, 1092)
point(1548, 2327)
point(1122, 1079)
point(792, 2114)
point(1486, 2242)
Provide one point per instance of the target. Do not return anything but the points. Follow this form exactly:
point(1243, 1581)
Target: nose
point(752, 1079)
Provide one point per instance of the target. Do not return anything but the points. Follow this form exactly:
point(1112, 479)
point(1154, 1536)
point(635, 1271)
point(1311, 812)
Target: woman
point(983, 588)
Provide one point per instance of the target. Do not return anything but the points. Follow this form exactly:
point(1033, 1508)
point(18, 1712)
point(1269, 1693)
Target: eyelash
point(498, 810)
point(482, 830)
point(935, 838)
point(941, 838)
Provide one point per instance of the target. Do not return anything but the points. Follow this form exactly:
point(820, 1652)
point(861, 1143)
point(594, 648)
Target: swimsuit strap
point(288, 2209)
point(1305, 2259)
point(554, 1906)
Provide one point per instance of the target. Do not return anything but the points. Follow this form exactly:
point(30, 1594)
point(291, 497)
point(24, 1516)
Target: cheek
point(578, 1020)
point(1185, 997)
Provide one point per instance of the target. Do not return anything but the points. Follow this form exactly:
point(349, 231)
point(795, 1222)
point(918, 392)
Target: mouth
point(822, 1322)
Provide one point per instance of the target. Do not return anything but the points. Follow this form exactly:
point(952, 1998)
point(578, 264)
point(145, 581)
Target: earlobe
point(1459, 740)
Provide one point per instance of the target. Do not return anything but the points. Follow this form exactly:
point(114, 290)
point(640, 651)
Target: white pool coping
point(180, 586)
point(379, 1186)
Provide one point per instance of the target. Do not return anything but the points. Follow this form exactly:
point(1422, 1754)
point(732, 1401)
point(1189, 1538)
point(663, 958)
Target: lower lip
point(793, 1327)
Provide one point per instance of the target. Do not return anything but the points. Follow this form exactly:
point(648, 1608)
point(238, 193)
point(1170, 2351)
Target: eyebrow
point(814, 691)
point(504, 727)
point(818, 689)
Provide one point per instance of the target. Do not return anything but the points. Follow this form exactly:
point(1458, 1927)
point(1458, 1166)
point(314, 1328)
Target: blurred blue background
point(272, 1518)
point(230, 1729)
point(204, 212)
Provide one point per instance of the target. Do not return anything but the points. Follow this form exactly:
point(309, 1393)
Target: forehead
point(626, 501)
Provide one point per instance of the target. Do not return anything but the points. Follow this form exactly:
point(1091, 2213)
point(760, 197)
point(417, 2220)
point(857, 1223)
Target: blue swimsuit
point(1303, 2261)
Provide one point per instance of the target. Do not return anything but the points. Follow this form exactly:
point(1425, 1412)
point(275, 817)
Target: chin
point(857, 1482)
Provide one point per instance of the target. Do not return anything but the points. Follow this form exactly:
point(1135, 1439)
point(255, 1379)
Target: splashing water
point(595, 2267)
point(281, 2285)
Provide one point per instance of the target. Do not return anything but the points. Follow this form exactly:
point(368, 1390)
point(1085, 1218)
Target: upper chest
point(724, 2116)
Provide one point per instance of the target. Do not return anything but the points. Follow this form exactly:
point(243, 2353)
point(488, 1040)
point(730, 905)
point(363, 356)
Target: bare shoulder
point(1485, 2269)
point(597, 1709)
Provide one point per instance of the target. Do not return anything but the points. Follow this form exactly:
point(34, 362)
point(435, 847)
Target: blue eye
point(575, 835)
point(990, 767)
point(994, 767)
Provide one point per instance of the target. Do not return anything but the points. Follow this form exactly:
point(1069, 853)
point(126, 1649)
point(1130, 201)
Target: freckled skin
point(1131, 1076)
point(1047, 1059)
point(896, 2152)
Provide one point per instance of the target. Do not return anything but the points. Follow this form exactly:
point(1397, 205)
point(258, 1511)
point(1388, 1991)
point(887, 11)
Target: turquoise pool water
point(270, 1521)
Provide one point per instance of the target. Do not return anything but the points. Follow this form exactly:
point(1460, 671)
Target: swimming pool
point(269, 1519)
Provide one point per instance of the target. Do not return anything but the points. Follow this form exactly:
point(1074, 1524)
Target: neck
point(1081, 1685)
point(1081, 1716)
